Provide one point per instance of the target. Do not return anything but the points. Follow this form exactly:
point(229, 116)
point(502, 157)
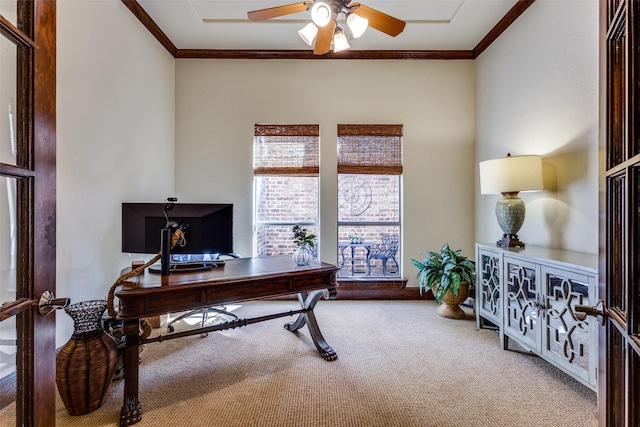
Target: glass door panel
point(616, 251)
point(8, 333)
point(8, 83)
point(8, 378)
point(9, 11)
point(616, 138)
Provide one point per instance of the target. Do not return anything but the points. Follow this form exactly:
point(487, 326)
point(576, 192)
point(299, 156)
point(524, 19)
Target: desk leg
point(131, 411)
point(308, 302)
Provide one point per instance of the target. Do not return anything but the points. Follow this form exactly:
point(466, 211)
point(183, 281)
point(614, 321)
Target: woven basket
point(85, 364)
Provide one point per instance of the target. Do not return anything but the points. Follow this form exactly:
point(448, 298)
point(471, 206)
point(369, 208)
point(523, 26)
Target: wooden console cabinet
point(529, 295)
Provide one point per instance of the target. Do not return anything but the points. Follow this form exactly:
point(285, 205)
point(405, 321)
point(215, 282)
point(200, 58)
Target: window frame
point(353, 142)
point(265, 166)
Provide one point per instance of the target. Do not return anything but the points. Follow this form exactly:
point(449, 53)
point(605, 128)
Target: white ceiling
point(223, 24)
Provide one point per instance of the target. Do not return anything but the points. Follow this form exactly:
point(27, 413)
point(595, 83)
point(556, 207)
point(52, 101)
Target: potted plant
point(449, 276)
point(305, 241)
point(353, 238)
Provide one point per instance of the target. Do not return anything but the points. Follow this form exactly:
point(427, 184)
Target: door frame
point(619, 218)
point(34, 34)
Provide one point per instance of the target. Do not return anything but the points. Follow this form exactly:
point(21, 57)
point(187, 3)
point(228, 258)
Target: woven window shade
point(286, 150)
point(370, 149)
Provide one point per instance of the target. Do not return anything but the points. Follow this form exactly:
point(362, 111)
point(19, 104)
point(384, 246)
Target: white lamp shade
point(357, 25)
point(511, 174)
point(340, 41)
point(308, 33)
point(321, 14)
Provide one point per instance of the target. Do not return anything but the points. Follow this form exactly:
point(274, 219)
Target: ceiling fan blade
point(323, 39)
point(380, 21)
point(274, 12)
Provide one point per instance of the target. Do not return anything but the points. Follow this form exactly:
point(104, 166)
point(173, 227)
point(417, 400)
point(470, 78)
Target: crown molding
point(308, 54)
point(506, 21)
point(151, 25)
point(510, 17)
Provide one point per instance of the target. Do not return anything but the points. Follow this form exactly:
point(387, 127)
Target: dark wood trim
point(508, 19)
point(359, 289)
point(13, 308)
point(513, 14)
point(15, 171)
point(27, 348)
point(42, 209)
point(14, 34)
point(349, 293)
point(308, 54)
point(150, 25)
point(603, 379)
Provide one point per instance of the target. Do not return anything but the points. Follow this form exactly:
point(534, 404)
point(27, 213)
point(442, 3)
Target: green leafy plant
point(446, 269)
point(354, 238)
point(300, 236)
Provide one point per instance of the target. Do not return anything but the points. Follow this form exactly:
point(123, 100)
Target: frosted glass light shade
point(340, 41)
point(357, 25)
point(511, 174)
point(308, 33)
point(321, 14)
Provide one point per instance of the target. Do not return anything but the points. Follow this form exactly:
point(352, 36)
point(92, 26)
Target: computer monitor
point(208, 227)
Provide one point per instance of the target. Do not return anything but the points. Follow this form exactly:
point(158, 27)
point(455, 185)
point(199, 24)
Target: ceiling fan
point(324, 14)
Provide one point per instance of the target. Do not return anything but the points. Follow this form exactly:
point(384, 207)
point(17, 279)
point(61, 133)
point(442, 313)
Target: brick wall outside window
point(286, 181)
point(281, 203)
point(369, 207)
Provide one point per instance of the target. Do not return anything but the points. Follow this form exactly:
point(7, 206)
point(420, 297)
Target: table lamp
point(509, 176)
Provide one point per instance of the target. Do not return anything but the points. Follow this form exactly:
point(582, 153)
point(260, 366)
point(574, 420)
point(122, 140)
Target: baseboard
point(373, 289)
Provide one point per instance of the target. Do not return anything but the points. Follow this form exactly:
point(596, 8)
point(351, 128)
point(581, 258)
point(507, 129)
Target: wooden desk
point(238, 280)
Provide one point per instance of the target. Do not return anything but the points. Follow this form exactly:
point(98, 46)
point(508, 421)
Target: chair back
point(388, 247)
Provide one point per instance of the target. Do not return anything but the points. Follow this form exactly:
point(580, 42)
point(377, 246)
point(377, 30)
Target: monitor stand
point(186, 267)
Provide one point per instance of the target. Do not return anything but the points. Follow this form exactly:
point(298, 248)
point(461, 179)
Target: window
point(369, 215)
point(286, 185)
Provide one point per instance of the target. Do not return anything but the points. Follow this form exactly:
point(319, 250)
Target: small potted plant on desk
point(305, 241)
point(449, 276)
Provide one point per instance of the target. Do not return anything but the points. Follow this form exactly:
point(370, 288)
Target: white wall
point(219, 101)
point(115, 139)
point(123, 101)
point(537, 93)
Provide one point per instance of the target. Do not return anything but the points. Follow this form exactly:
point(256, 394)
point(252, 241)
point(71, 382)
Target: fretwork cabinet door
point(488, 302)
point(521, 302)
point(569, 341)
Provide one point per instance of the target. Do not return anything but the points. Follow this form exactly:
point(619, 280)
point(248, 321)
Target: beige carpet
point(399, 364)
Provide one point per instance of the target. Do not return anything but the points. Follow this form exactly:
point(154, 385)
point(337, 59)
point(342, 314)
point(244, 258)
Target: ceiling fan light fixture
point(321, 14)
point(308, 33)
point(340, 40)
point(357, 24)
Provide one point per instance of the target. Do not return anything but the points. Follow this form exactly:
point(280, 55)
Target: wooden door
point(27, 206)
point(619, 367)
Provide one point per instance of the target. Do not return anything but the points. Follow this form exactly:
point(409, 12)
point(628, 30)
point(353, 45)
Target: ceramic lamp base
point(510, 211)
